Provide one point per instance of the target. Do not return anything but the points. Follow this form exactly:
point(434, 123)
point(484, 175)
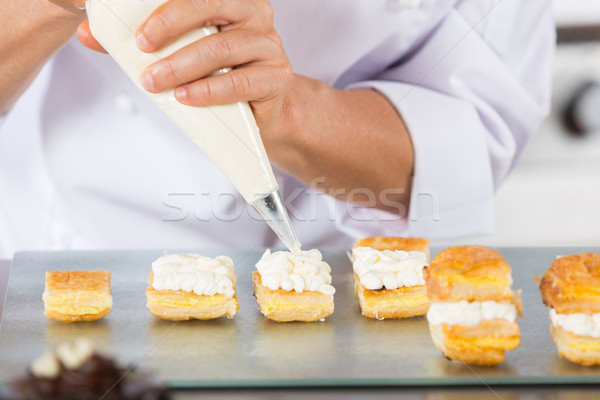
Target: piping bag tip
point(271, 208)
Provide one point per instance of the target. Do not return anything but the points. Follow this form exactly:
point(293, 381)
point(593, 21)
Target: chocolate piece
point(97, 377)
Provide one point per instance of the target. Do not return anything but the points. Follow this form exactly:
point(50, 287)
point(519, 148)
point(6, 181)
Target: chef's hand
point(77, 7)
point(308, 127)
point(247, 41)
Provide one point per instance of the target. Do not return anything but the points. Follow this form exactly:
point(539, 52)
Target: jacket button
point(399, 5)
point(124, 103)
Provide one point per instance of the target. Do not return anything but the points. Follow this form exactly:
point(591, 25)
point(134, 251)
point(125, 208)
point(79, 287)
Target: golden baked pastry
point(180, 305)
point(483, 344)
point(583, 350)
point(404, 302)
point(472, 273)
point(473, 311)
point(73, 296)
point(395, 243)
point(571, 286)
point(401, 302)
point(287, 305)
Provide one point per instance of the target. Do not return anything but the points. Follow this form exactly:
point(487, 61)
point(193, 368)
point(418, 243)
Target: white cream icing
point(469, 313)
point(390, 269)
point(195, 273)
point(578, 323)
point(298, 270)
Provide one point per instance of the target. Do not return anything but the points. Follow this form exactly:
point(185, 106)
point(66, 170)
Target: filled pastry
point(388, 276)
point(571, 287)
point(73, 296)
point(293, 286)
point(472, 317)
point(191, 286)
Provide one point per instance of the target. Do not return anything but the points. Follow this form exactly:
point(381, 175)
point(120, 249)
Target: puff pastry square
point(284, 306)
point(402, 302)
point(572, 286)
point(483, 344)
point(473, 274)
point(395, 243)
point(72, 296)
point(180, 305)
point(578, 349)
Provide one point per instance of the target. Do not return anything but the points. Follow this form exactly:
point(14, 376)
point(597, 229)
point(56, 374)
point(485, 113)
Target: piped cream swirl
point(195, 273)
point(299, 271)
point(377, 269)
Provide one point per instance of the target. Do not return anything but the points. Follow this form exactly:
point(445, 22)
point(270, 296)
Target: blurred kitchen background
point(553, 195)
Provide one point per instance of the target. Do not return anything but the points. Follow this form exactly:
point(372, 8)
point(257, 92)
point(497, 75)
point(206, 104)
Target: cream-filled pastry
point(571, 287)
point(472, 317)
point(388, 276)
point(293, 286)
point(192, 286)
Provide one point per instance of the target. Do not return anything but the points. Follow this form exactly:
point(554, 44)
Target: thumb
point(87, 39)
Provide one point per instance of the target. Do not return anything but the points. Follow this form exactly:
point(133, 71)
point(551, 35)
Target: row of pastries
point(288, 286)
point(466, 293)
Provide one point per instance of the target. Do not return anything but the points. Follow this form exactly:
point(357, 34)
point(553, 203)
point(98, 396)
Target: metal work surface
point(345, 350)
point(4, 269)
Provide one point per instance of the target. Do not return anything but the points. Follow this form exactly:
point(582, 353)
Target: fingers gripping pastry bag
point(227, 134)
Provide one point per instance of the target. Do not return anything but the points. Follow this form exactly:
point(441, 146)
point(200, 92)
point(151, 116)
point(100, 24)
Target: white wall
point(553, 195)
point(576, 12)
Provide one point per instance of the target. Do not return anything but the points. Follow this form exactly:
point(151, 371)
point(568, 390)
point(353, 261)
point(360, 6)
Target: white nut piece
point(75, 353)
point(45, 366)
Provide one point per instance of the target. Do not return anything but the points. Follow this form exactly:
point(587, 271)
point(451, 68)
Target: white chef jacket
point(88, 162)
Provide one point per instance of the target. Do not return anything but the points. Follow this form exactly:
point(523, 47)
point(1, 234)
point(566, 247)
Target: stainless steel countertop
point(4, 269)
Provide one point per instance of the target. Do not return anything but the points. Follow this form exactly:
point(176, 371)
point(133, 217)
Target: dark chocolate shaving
point(98, 377)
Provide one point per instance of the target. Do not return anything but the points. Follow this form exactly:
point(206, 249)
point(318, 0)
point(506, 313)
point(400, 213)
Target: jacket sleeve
point(3, 118)
point(471, 95)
